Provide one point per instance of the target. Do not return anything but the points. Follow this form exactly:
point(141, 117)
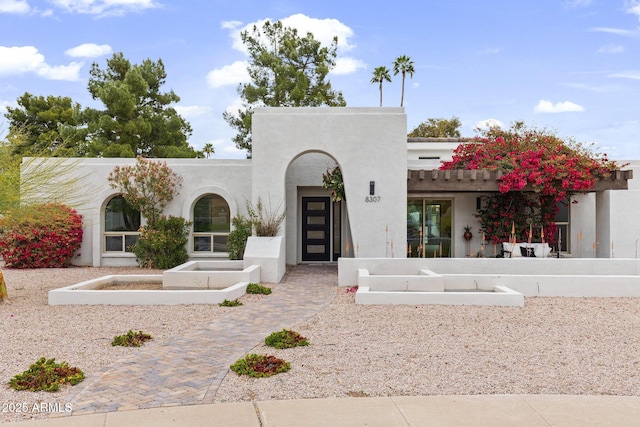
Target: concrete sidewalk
point(477, 410)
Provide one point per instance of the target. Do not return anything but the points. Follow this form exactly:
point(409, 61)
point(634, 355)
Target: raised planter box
point(87, 293)
point(209, 275)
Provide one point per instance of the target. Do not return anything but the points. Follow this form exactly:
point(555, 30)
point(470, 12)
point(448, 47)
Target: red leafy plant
point(258, 365)
point(47, 375)
point(40, 236)
point(540, 170)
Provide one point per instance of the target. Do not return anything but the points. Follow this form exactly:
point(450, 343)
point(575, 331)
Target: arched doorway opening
point(321, 232)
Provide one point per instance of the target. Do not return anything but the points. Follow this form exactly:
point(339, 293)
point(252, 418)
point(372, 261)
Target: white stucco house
point(396, 197)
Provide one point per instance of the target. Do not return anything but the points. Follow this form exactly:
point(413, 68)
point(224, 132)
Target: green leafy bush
point(40, 236)
point(164, 244)
point(227, 303)
point(285, 339)
point(46, 375)
point(257, 365)
point(131, 339)
point(237, 240)
point(255, 288)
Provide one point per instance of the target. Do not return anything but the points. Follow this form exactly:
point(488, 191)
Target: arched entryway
point(321, 229)
point(369, 144)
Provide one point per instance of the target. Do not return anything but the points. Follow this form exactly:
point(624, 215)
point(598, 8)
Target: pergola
point(468, 181)
point(424, 181)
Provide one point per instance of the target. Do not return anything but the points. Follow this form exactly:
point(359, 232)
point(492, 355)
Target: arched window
point(121, 225)
point(211, 224)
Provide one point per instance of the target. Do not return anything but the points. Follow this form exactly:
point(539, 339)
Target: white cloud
point(3, 106)
point(235, 106)
point(323, 30)
point(488, 124)
point(89, 50)
point(611, 48)
point(19, 59)
point(490, 51)
point(14, 6)
point(633, 7)
point(545, 106)
point(25, 59)
point(229, 75)
point(192, 110)
point(578, 3)
point(630, 74)
point(104, 7)
point(69, 72)
point(232, 150)
point(347, 65)
point(591, 88)
point(617, 31)
point(230, 25)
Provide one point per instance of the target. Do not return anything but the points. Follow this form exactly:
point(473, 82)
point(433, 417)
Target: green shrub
point(255, 288)
point(131, 339)
point(237, 240)
point(256, 365)
point(285, 339)
point(40, 236)
point(46, 375)
point(227, 303)
point(163, 245)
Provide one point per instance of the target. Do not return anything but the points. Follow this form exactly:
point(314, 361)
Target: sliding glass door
point(429, 228)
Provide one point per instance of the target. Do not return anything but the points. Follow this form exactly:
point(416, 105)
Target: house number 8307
point(372, 199)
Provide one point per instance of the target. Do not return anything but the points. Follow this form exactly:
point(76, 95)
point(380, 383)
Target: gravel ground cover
point(550, 346)
point(80, 335)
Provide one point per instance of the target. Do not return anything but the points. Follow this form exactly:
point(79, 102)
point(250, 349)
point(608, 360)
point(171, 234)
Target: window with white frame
point(121, 225)
point(211, 224)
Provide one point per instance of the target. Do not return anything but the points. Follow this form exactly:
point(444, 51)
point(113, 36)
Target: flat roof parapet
point(440, 139)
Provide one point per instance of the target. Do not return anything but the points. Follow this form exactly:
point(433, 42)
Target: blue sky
point(568, 65)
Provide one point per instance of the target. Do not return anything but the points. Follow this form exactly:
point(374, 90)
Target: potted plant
point(467, 233)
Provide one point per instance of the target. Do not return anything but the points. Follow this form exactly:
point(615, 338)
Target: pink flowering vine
point(539, 170)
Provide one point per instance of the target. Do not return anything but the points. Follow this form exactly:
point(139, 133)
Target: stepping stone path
point(189, 368)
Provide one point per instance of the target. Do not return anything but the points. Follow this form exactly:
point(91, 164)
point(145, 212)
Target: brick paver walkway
point(189, 368)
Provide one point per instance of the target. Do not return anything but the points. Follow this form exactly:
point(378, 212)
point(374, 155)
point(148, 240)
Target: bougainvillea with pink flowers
point(540, 170)
point(40, 236)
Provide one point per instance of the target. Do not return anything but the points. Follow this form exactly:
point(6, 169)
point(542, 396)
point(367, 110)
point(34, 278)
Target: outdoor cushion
point(517, 250)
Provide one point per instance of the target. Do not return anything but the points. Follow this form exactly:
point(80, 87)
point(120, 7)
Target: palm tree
point(208, 149)
point(403, 64)
point(381, 74)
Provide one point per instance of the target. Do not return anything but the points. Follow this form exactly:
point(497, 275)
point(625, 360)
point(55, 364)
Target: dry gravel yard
point(552, 345)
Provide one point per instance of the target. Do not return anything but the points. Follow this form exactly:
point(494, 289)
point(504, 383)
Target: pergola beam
point(485, 181)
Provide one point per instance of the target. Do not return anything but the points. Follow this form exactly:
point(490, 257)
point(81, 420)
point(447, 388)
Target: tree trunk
point(402, 97)
point(4, 296)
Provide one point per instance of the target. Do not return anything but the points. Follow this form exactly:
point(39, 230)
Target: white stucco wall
point(617, 214)
point(369, 144)
point(230, 179)
point(292, 147)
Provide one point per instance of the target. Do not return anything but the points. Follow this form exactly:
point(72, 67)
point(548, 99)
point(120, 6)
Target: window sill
point(118, 255)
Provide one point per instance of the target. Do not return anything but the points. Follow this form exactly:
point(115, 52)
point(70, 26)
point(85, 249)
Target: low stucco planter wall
point(86, 293)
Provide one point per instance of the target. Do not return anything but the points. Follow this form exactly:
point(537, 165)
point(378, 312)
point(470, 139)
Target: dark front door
point(315, 228)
